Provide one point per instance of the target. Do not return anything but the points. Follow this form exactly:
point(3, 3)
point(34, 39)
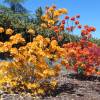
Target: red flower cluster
point(75, 22)
point(87, 30)
point(83, 60)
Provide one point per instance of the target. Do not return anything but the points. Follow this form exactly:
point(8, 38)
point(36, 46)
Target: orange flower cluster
point(14, 39)
point(52, 15)
point(83, 56)
point(68, 24)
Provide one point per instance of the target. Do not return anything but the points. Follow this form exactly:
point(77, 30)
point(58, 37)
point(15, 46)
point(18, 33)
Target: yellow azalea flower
point(51, 22)
point(9, 31)
point(51, 9)
point(54, 42)
point(53, 45)
point(1, 44)
point(31, 31)
point(4, 63)
point(58, 67)
point(39, 38)
point(64, 11)
point(15, 39)
point(43, 25)
point(4, 49)
point(53, 83)
point(1, 49)
point(4, 80)
point(13, 51)
point(56, 13)
point(40, 91)
point(42, 17)
point(47, 40)
point(15, 36)
point(41, 53)
point(1, 29)
point(13, 83)
point(39, 75)
point(48, 73)
point(34, 85)
point(32, 59)
point(8, 45)
point(64, 62)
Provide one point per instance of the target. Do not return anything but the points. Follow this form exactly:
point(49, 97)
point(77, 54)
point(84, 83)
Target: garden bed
point(70, 87)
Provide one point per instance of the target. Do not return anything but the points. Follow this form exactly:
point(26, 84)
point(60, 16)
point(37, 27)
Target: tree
point(16, 6)
point(38, 14)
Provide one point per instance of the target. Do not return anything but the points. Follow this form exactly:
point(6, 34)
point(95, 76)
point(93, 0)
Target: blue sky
point(88, 9)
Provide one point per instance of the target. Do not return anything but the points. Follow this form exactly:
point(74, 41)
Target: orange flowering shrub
point(29, 70)
point(83, 56)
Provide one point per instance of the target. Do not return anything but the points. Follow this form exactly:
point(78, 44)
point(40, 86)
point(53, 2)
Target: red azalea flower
point(62, 26)
point(68, 29)
point(63, 22)
point(93, 28)
point(88, 29)
point(73, 19)
point(67, 66)
point(84, 32)
point(66, 17)
point(83, 40)
point(79, 26)
point(55, 27)
point(56, 31)
point(76, 22)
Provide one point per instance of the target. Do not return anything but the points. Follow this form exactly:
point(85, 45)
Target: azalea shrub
point(31, 69)
point(83, 57)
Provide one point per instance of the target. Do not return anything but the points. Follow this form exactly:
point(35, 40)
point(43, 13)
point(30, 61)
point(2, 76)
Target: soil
point(70, 87)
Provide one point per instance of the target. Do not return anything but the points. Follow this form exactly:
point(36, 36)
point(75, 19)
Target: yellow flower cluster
point(29, 62)
point(1, 29)
point(5, 47)
point(8, 31)
point(52, 15)
point(34, 54)
point(14, 39)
